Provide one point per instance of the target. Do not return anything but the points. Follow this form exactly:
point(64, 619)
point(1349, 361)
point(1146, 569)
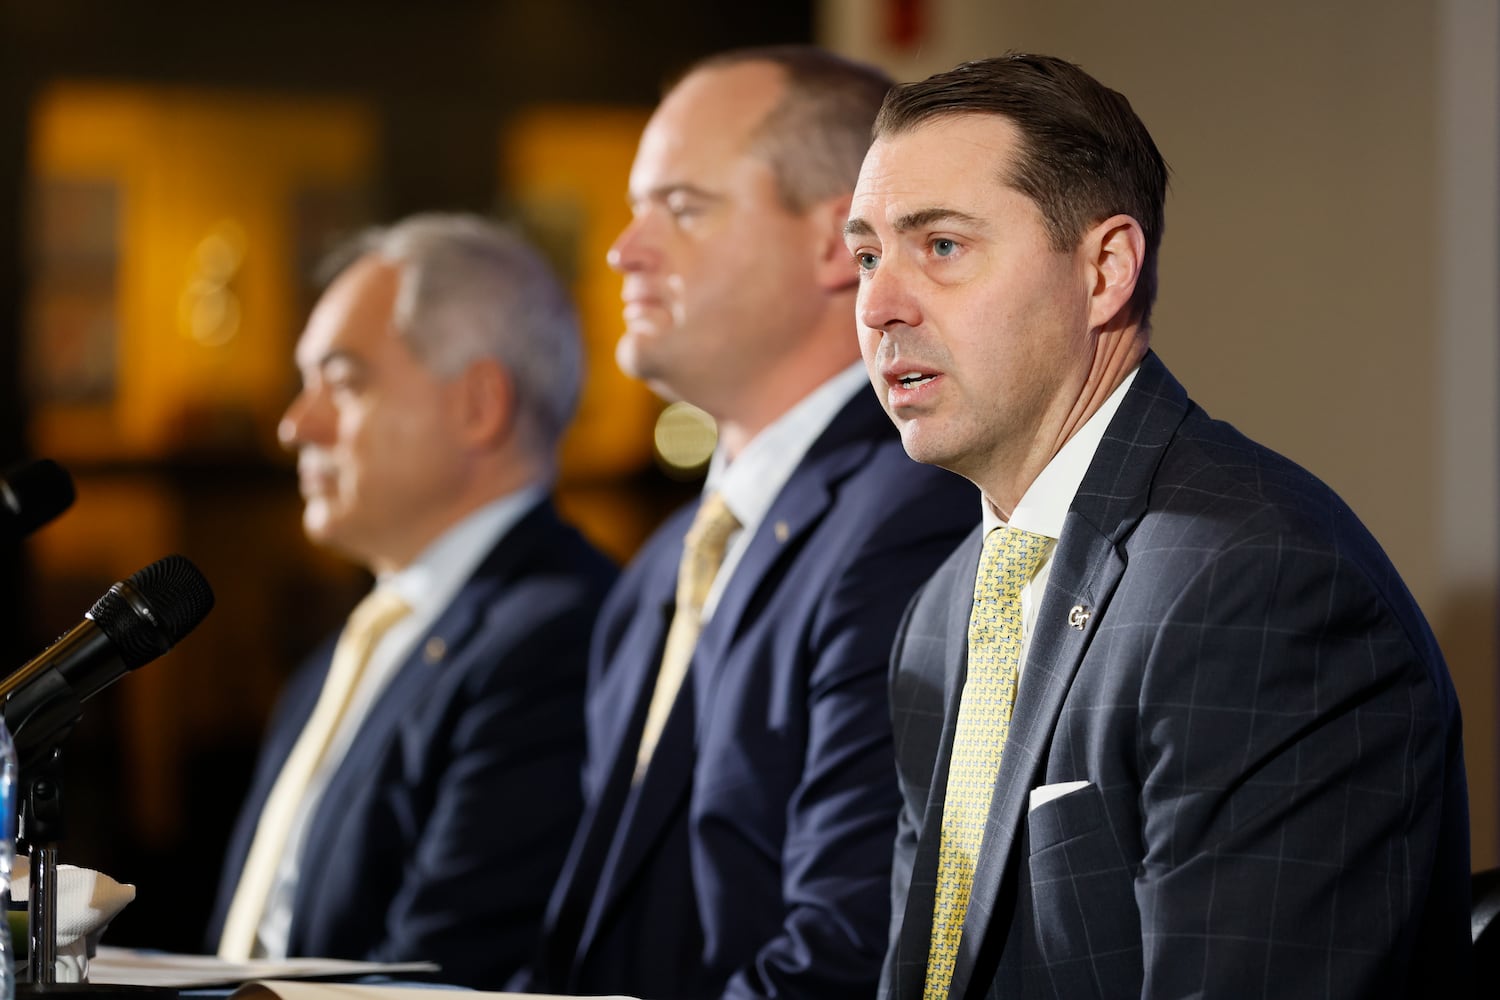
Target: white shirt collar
point(752, 481)
point(1044, 506)
point(431, 580)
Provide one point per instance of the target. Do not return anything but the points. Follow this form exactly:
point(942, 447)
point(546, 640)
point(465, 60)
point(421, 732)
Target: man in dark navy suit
point(741, 799)
point(1170, 725)
point(420, 778)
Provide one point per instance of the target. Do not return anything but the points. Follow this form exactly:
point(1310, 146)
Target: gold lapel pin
point(434, 650)
point(1078, 616)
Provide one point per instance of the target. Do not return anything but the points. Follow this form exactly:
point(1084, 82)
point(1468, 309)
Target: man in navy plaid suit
point(1233, 765)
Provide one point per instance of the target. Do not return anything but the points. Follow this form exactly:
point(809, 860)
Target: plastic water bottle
point(8, 810)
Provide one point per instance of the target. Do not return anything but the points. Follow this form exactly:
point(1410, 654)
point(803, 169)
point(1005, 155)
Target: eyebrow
point(666, 191)
point(325, 361)
point(920, 219)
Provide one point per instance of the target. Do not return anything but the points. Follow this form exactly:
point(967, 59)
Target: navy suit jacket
point(1275, 803)
point(753, 859)
point(442, 831)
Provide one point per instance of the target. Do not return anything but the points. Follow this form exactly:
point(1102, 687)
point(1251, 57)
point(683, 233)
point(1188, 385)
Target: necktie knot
point(703, 551)
point(373, 617)
point(1009, 560)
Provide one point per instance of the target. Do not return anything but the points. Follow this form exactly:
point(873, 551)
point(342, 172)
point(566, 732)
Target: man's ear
point(835, 271)
point(486, 402)
point(1115, 252)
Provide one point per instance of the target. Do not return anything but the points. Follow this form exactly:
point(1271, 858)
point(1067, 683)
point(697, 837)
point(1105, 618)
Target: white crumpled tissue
point(86, 902)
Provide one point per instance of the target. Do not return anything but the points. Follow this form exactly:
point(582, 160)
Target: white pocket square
point(1042, 794)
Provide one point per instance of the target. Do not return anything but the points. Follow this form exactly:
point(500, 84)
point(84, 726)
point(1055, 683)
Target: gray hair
point(470, 288)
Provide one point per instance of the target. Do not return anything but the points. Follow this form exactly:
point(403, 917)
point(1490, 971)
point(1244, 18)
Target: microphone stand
point(38, 729)
point(42, 829)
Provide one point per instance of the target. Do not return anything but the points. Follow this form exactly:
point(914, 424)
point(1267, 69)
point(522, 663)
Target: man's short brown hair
point(1084, 156)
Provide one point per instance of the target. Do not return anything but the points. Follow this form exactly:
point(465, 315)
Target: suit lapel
point(797, 510)
point(407, 689)
point(630, 691)
point(588, 881)
point(651, 804)
point(650, 807)
point(608, 847)
point(1085, 571)
point(915, 937)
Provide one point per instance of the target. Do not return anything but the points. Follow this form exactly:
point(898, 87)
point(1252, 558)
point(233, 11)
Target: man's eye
point(944, 248)
point(866, 261)
point(341, 381)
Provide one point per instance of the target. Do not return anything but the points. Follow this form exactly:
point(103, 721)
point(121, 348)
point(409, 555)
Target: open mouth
point(910, 380)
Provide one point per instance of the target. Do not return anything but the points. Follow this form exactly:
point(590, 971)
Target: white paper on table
point(133, 967)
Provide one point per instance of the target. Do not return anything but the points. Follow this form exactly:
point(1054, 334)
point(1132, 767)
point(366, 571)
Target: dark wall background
point(443, 76)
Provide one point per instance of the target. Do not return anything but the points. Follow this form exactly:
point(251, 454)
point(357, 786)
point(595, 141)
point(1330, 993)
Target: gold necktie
point(1009, 560)
point(367, 624)
point(702, 552)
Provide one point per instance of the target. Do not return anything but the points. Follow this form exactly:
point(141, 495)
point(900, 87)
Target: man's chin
point(319, 525)
point(637, 353)
point(921, 445)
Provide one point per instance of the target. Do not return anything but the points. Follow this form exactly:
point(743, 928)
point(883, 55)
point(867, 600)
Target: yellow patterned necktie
point(702, 552)
point(368, 622)
point(1010, 559)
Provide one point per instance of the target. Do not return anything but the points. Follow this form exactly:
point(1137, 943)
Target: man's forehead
point(706, 167)
point(360, 302)
point(959, 139)
point(934, 161)
point(744, 88)
point(711, 116)
point(320, 346)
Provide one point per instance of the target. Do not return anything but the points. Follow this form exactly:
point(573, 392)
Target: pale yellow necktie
point(702, 553)
point(369, 621)
point(1009, 560)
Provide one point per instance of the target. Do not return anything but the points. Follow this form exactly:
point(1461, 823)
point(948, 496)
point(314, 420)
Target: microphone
point(31, 494)
point(136, 621)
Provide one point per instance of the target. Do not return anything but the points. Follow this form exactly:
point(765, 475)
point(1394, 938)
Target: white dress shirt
point(1044, 505)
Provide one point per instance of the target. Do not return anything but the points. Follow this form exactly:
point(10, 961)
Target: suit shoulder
point(652, 568)
point(1240, 488)
point(565, 548)
point(889, 480)
point(559, 565)
point(545, 586)
point(1216, 491)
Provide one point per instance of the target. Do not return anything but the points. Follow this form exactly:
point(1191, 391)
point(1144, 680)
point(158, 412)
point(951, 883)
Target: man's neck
point(828, 348)
point(484, 489)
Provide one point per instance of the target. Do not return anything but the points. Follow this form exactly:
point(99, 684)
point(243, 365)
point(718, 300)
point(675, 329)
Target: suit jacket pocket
point(1085, 923)
point(1062, 817)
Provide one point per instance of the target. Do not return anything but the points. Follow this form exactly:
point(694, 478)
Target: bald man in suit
point(741, 802)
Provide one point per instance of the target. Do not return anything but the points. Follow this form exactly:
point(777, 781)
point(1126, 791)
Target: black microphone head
point(34, 493)
point(150, 612)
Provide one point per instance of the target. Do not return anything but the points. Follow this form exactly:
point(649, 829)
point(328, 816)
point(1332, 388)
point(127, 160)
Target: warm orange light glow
point(208, 294)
